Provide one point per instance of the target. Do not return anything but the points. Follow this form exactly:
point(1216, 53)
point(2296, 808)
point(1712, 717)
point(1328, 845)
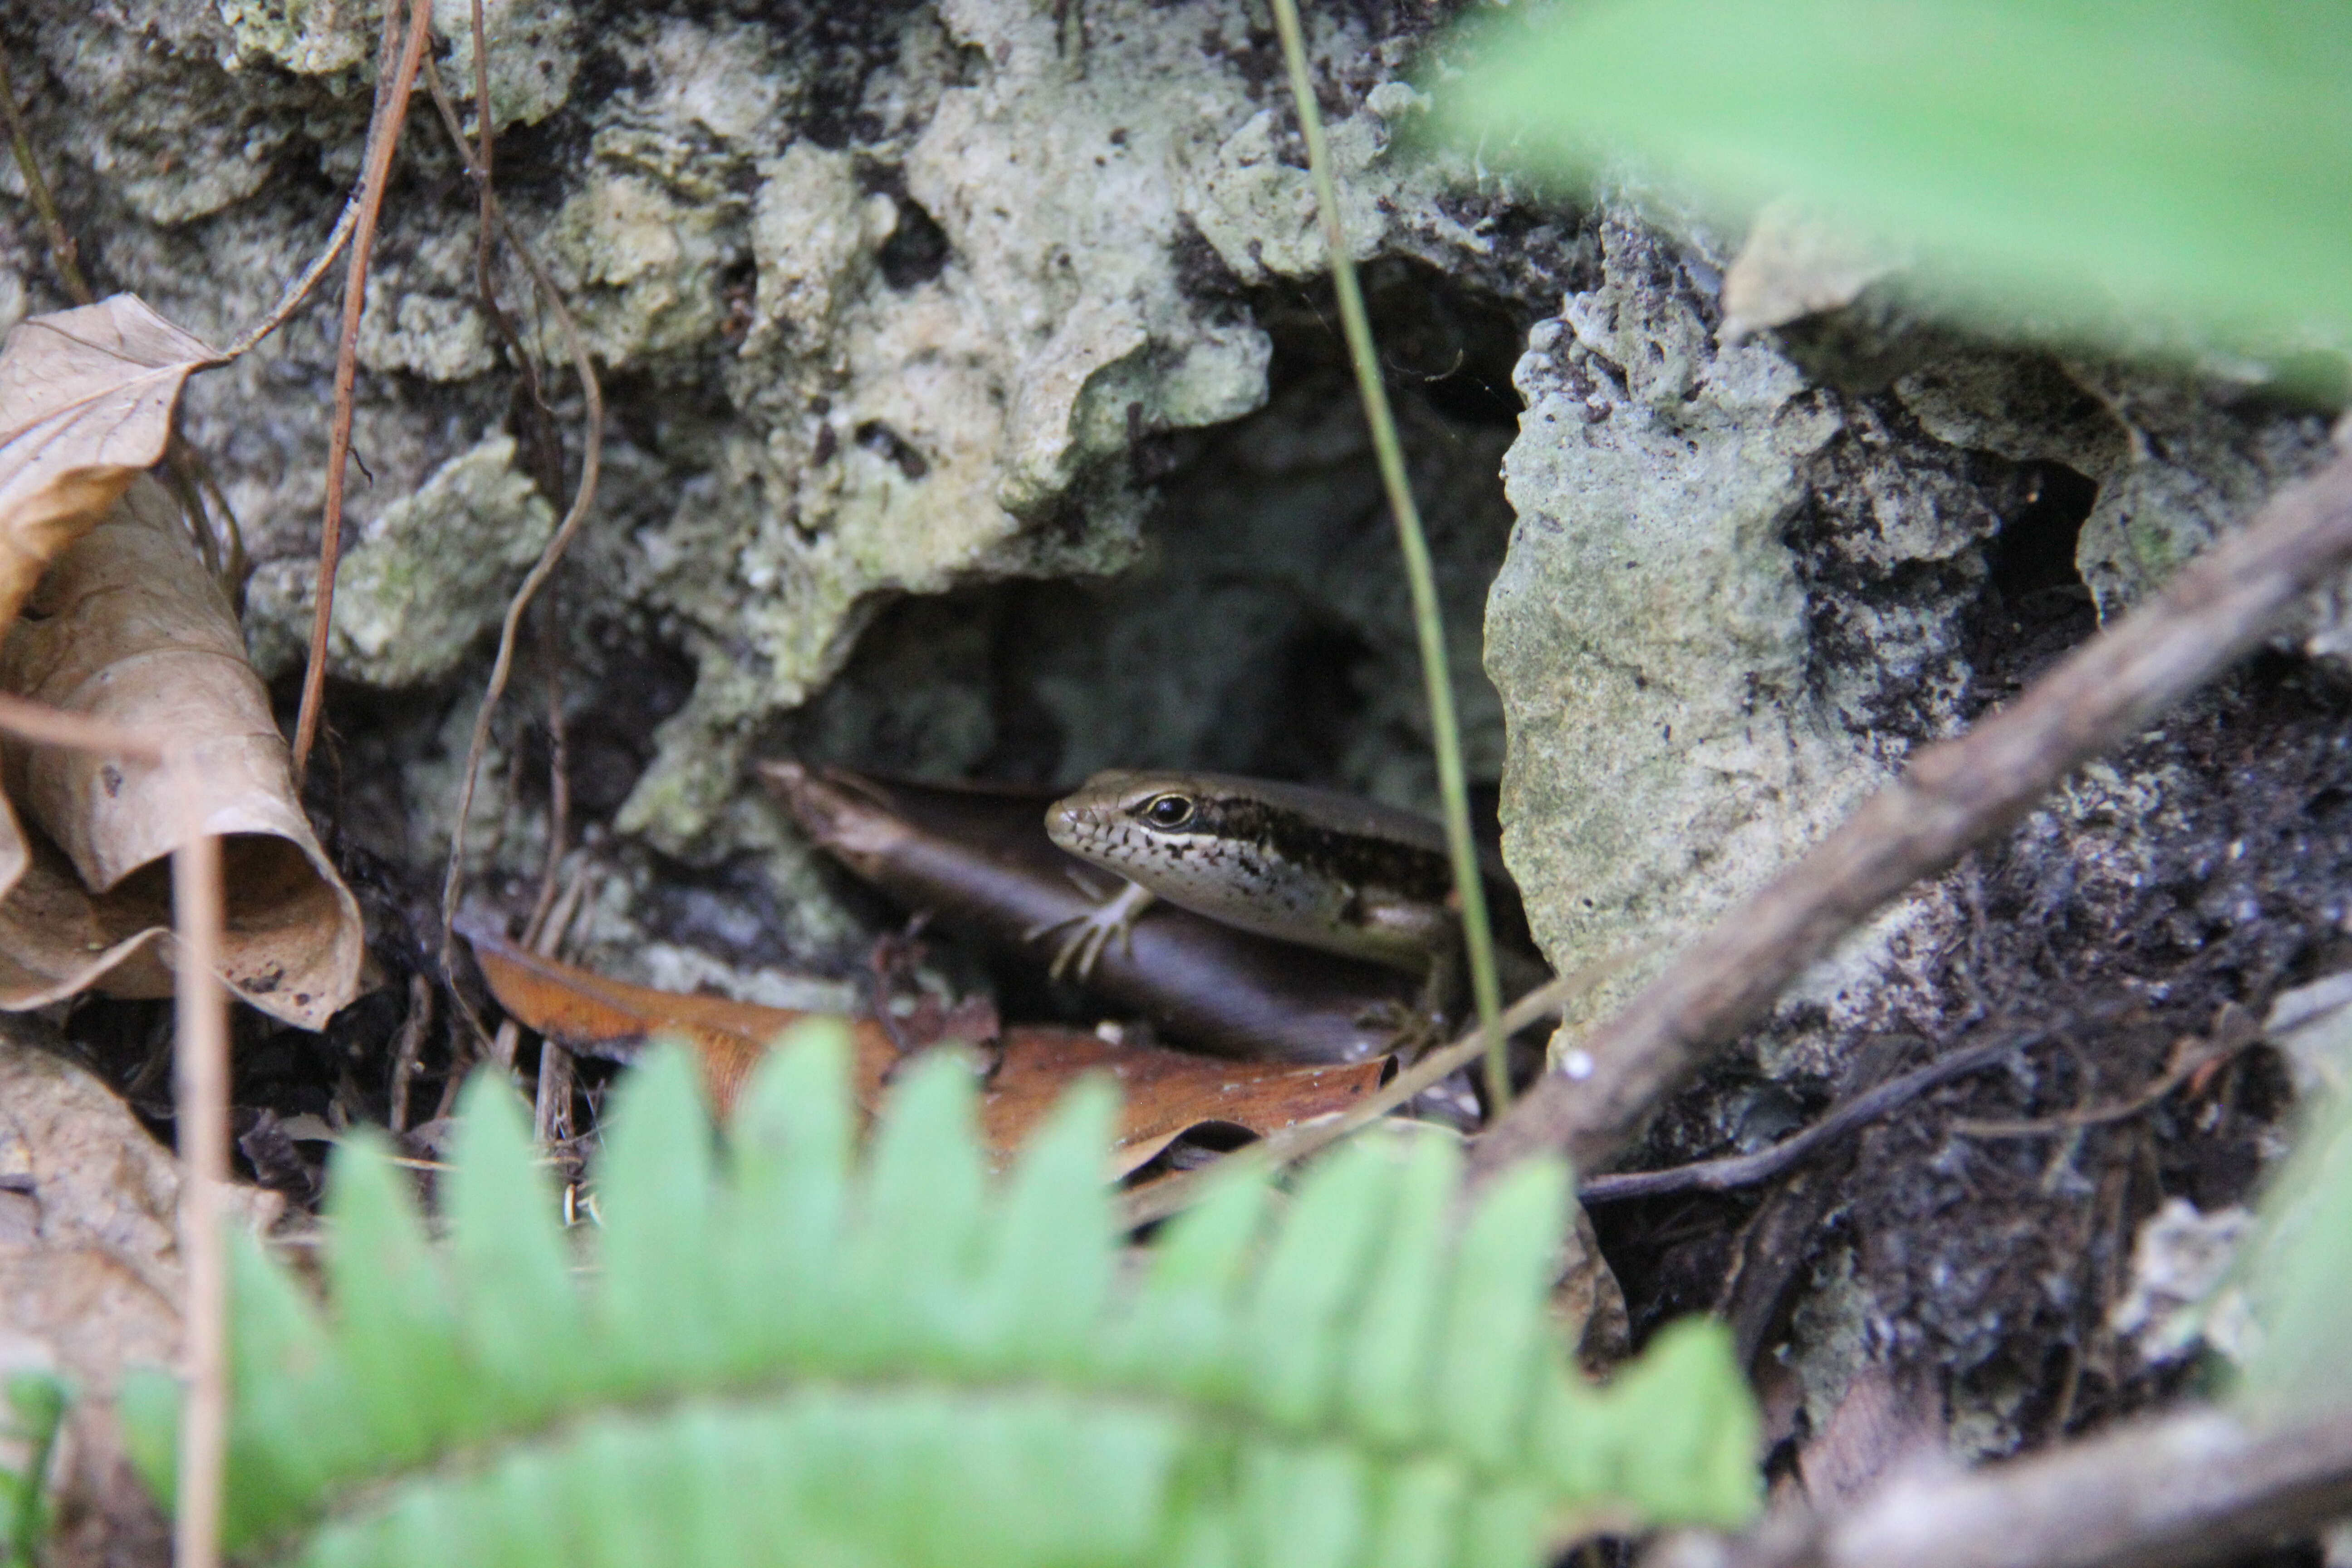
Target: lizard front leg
point(1114, 916)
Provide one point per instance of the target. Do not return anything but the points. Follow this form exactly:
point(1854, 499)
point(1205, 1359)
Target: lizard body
point(1301, 865)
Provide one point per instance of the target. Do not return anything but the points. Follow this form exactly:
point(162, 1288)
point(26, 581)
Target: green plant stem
point(1445, 731)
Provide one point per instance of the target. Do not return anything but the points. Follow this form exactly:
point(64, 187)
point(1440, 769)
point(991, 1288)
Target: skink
point(1300, 864)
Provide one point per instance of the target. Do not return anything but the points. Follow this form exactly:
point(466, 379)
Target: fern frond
point(789, 1354)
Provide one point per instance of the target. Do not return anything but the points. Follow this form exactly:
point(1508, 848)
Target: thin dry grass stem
point(559, 762)
point(47, 726)
point(550, 1113)
point(1170, 1193)
point(290, 300)
point(1445, 730)
point(543, 935)
point(550, 1105)
point(200, 1057)
point(591, 464)
point(393, 89)
point(200, 1122)
point(64, 254)
point(410, 1047)
point(546, 458)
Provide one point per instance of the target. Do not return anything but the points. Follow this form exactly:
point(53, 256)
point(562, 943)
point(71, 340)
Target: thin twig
point(590, 461)
point(64, 255)
point(1170, 1193)
point(200, 1122)
point(543, 933)
point(2196, 1487)
point(1736, 1170)
point(559, 762)
point(1956, 794)
point(551, 1107)
point(44, 725)
point(392, 90)
point(2191, 1057)
point(290, 300)
point(1445, 730)
point(410, 1046)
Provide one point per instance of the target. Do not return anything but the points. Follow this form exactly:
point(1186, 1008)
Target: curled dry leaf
point(1163, 1094)
point(85, 399)
point(128, 626)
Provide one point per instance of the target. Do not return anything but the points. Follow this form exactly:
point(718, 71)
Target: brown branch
point(2188, 1490)
point(408, 1049)
point(64, 254)
point(1956, 794)
point(583, 497)
point(392, 90)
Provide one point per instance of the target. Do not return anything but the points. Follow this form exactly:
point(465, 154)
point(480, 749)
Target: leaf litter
point(1163, 1094)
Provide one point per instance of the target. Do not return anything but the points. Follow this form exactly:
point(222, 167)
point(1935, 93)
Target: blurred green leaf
point(2192, 159)
point(2298, 1274)
point(37, 1402)
point(958, 1379)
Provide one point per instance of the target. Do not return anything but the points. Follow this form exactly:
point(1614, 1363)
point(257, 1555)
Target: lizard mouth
point(1067, 826)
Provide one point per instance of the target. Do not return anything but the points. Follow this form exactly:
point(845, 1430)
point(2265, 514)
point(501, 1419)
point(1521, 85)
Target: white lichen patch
point(423, 581)
point(534, 52)
point(308, 38)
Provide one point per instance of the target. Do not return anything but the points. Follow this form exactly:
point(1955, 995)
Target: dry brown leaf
point(128, 626)
point(90, 1277)
point(1163, 1094)
point(85, 399)
point(613, 1019)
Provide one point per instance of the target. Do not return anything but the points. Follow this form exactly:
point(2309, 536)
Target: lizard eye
point(1167, 811)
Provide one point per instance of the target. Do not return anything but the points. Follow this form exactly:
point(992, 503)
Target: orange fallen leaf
point(1163, 1094)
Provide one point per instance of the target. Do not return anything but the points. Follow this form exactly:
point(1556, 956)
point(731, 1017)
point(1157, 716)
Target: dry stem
point(583, 497)
point(47, 726)
point(1170, 1193)
point(393, 87)
point(290, 300)
point(64, 254)
point(200, 1057)
point(1956, 794)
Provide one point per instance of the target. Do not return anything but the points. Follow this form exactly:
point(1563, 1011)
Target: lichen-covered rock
point(1737, 595)
point(948, 362)
point(422, 582)
point(2178, 461)
point(1648, 631)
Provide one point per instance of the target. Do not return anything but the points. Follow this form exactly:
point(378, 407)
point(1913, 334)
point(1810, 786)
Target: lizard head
point(1121, 813)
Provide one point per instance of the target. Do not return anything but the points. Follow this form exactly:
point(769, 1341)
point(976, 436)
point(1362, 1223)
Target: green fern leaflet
point(790, 1354)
